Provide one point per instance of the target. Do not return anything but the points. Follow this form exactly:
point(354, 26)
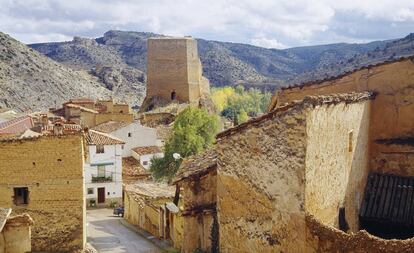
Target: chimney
point(58, 128)
point(44, 121)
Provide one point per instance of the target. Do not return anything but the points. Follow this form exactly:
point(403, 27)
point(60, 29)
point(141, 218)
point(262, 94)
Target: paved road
point(106, 234)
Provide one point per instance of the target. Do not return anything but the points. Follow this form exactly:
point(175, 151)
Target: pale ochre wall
point(336, 175)
point(52, 168)
point(391, 113)
point(260, 186)
point(17, 239)
point(197, 227)
point(145, 214)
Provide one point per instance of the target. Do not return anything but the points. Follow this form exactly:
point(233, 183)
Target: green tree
point(194, 130)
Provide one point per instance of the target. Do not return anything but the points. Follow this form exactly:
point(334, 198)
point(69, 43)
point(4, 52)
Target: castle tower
point(174, 71)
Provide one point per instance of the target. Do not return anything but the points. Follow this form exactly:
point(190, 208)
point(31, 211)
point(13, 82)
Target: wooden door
point(101, 195)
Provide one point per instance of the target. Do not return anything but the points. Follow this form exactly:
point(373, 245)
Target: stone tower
point(174, 72)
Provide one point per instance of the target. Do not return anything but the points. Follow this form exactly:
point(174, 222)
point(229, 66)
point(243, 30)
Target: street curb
point(165, 246)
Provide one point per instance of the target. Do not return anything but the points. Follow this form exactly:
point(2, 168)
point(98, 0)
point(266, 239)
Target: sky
point(267, 23)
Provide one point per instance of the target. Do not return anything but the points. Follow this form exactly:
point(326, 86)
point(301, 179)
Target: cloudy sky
point(268, 23)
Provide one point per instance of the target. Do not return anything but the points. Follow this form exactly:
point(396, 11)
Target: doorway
point(101, 195)
point(173, 95)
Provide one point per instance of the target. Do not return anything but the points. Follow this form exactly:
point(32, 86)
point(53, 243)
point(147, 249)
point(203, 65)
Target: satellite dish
point(176, 156)
point(172, 207)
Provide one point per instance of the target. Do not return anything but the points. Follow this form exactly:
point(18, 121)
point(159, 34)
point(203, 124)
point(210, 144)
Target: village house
point(43, 177)
point(298, 179)
point(134, 134)
point(103, 169)
point(145, 154)
point(150, 207)
point(15, 235)
point(16, 125)
point(88, 113)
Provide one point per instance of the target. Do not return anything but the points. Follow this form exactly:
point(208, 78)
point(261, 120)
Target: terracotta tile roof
point(82, 100)
point(150, 190)
point(132, 170)
point(197, 165)
point(4, 214)
point(147, 150)
point(81, 108)
point(16, 125)
point(97, 138)
point(164, 132)
point(110, 126)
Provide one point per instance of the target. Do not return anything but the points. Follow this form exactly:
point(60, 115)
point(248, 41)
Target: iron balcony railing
point(108, 177)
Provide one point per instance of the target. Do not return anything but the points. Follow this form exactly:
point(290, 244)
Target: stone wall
point(173, 66)
point(261, 187)
point(337, 161)
point(52, 169)
point(392, 117)
point(322, 238)
point(199, 198)
point(89, 119)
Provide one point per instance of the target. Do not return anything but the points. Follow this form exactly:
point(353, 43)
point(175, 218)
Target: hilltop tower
point(174, 72)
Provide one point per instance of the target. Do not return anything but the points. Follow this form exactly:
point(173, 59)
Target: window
point(343, 224)
point(129, 134)
point(101, 170)
point(350, 139)
point(21, 196)
point(145, 163)
point(173, 95)
point(100, 149)
point(90, 190)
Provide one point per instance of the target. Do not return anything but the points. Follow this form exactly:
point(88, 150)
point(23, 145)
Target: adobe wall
point(16, 235)
point(260, 185)
point(198, 224)
point(337, 161)
point(144, 215)
point(322, 238)
point(392, 117)
point(52, 168)
point(105, 117)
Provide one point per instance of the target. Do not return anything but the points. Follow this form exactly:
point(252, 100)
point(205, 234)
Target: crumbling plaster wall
point(197, 219)
point(16, 235)
point(52, 169)
point(321, 238)
point(392, 110)
point(337, 161)
point(260, 186)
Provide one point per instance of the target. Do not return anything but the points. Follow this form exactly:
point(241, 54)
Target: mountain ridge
point(230, 63)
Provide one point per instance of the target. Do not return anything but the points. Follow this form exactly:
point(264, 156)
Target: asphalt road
point(106, 234)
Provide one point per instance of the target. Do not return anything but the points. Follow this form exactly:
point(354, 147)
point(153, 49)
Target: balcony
point(102, 178)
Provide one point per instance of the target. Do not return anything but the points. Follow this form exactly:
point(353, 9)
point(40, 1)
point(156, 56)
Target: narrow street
point(106, 234)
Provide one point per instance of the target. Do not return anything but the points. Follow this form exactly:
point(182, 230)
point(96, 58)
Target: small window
point(173, 95)
point(343, 224)
point(101, 170)
point(350, 140)
point(145, 162)
point(90, 190)
point(122, 147)
point(100, 149)
point(21, 196)
point(129, 134)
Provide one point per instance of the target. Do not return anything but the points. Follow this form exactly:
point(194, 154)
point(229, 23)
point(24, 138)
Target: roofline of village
point(307, 102)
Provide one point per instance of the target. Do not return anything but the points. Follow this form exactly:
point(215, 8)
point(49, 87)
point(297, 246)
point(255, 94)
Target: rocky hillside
point(29, 80)
point(224, 63)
